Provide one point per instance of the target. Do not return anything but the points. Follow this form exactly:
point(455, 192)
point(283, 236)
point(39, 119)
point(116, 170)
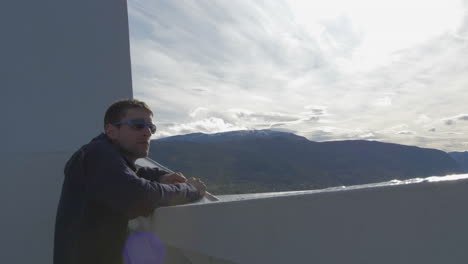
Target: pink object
point(144, 248)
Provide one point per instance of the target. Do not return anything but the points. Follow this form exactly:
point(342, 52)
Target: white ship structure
point(63, 62)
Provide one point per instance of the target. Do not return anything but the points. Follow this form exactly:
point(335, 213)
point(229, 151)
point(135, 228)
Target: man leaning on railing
point(103, 189)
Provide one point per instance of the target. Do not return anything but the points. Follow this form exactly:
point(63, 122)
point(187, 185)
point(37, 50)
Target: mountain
point(461, 158)
point(233, 136)
point(265, 160)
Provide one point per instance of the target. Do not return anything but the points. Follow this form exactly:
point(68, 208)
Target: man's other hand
point(173, 177)
point(198, 184)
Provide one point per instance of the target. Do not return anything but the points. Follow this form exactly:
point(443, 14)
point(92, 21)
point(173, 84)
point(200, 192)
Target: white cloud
point(330, 133)
point(303, 66)
point(208, 125)
point(384, 101)
point(423, 119)
point(198, 111)
point(406, 132)
point(463, 117)
point(206, 120)
point(316, 109)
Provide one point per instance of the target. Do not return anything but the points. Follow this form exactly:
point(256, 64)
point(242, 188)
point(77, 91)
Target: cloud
point(329, 133)
point(199, 111)
point(251, 117)
point(208, 125)
point(449, 122)
point(406, 132)
point(207, 66)
point(199, 90)
point(244, 46)
point(384, 101)
point(284, 130)
point(316, 109)
point(423, 119)
point(320, 135)
point(206, 120)
point(453, 120)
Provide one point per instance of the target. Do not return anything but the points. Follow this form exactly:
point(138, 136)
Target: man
point(103, 189)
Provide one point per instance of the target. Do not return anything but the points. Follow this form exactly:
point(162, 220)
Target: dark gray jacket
point(100, 193)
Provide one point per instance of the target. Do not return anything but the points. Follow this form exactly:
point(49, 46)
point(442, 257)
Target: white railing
point(414, 221)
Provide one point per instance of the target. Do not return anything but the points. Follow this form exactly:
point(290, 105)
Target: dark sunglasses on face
point(138, 124)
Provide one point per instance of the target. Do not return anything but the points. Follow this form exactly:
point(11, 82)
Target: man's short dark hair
point(119, 109)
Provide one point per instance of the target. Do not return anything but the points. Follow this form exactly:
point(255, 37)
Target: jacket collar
point(105, 138)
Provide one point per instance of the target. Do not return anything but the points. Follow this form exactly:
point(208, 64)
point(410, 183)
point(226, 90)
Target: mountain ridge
point(265, 160)
point(461, 158)
point(232, 135)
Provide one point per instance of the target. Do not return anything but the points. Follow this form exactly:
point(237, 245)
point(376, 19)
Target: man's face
point(133, 142)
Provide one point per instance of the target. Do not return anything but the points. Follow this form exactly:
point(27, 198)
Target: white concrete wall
point(411, 223)
point(62, 63)
point(29, 192)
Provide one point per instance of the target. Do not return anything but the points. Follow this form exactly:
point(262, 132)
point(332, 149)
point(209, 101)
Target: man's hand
point(173, 177)
point(198, 184)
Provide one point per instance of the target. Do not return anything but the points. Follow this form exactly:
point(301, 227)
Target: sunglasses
point(138, 124)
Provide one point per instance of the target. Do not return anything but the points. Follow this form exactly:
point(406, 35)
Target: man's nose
point(147, 131)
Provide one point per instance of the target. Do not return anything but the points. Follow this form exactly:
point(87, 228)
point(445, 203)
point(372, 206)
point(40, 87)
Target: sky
point(392, 71)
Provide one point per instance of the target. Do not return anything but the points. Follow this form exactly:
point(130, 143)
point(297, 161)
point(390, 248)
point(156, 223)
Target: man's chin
point(143, 154)
point(139, 154)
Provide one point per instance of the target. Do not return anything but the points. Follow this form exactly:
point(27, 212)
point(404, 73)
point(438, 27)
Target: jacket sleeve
point(151, 174)
point(112, 182)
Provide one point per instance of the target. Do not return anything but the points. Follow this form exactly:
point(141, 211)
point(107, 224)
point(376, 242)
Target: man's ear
point(111, 131)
